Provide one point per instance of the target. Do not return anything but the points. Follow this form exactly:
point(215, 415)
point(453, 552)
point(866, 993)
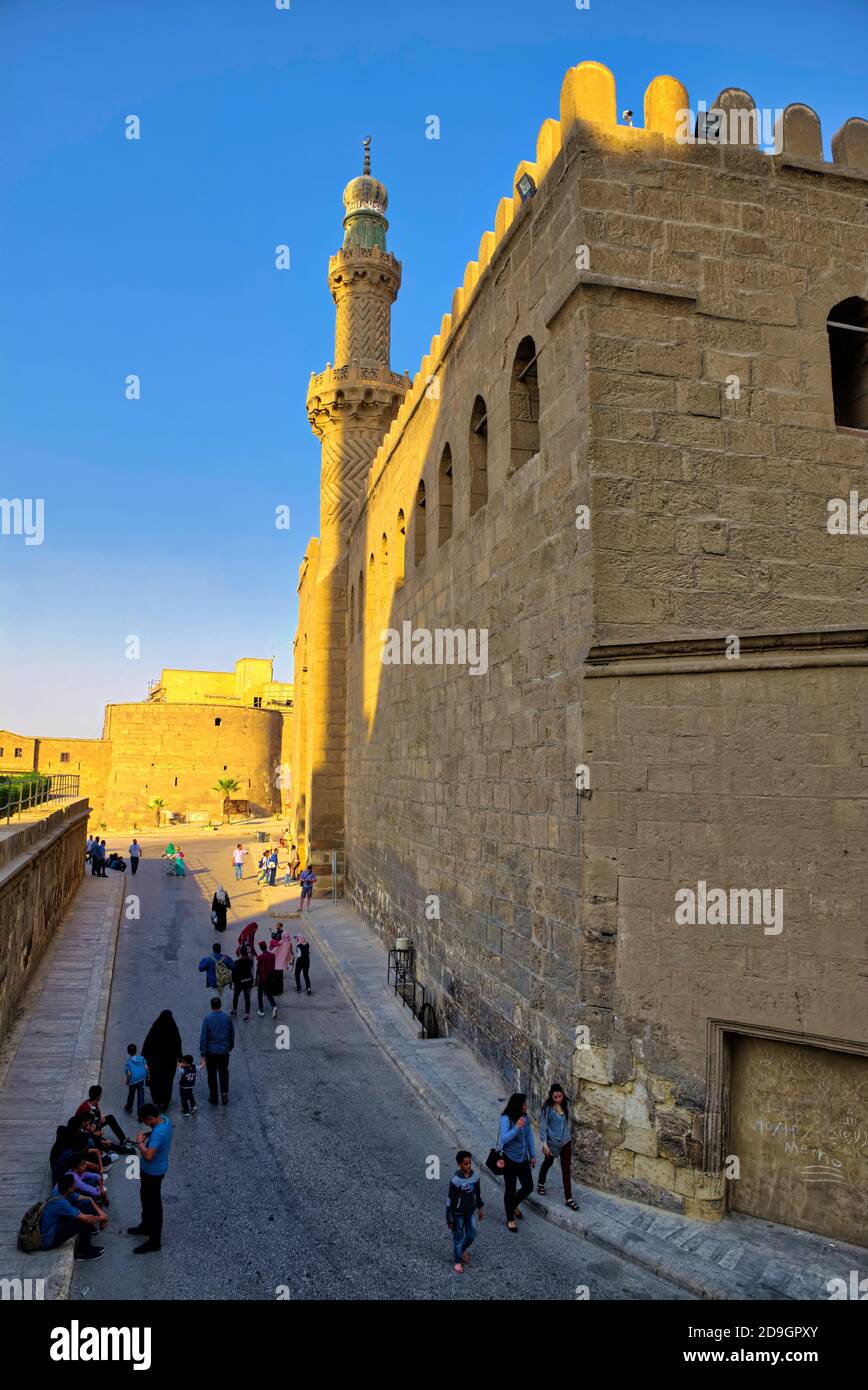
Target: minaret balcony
point(367, 393)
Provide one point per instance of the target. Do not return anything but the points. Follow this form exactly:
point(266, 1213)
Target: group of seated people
point(80, 1158)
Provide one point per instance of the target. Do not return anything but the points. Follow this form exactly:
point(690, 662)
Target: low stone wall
point(41, 865)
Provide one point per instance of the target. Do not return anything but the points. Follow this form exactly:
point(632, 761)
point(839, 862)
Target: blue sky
point(156, 257)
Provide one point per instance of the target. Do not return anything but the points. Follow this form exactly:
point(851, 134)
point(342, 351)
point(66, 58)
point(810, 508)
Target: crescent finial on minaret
point(367, 147)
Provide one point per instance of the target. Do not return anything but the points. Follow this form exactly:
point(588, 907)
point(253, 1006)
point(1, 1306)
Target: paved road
point(313, 1179)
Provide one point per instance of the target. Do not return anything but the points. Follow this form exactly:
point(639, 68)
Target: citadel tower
point(350, 406)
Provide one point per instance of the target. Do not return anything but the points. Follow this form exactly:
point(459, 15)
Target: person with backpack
point(515, 1142)
point(272, 868)
point(218, 970)
point(555, 1136)
point(463, 1205)
point(64, 1218)
point(242, 982)
point(220, 905)
point(216, 1041)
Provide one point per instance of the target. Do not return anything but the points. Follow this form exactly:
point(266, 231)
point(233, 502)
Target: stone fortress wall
point(194, 728)
point(645, 337)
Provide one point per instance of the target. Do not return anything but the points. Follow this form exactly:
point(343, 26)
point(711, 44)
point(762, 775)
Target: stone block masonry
point(41, 865)
point(622, 442)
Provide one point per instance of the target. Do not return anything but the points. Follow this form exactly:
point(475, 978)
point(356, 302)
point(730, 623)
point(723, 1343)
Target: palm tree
point(156, 804)
point(227, 785)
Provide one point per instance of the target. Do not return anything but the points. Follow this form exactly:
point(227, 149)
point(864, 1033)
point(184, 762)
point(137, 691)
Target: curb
point(690, 1281)
point(65, 1255)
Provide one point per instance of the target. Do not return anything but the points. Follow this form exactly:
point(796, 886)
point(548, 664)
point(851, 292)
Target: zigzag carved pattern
point(362, 329)
point(346, 458)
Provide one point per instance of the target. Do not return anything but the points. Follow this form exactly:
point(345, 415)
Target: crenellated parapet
point(588, 102)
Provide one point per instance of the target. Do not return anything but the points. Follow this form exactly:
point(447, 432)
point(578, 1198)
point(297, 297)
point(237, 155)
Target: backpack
point(222, 974)
point(29, 1234)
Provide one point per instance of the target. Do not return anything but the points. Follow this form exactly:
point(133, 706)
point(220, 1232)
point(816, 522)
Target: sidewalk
point(50, 1057)
point(738, 1258)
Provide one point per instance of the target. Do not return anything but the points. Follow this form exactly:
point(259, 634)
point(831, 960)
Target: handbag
point(214, 919)
point(495, 1161)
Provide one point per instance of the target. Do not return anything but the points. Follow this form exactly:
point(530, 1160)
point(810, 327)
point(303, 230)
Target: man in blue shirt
point(153, 1145)
point(61, 1219)
point(216, 1041)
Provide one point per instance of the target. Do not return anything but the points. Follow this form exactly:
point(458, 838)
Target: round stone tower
point(350, 406)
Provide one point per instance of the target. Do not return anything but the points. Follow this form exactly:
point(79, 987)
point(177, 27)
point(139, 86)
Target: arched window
point(373, 597)
point(478, 455)
point(352, 613)
point(421, 526)
point(385, 573)
point(848, 349)
point(361, 604)
point(402, 543)
point(523, 407)
point(445, 496)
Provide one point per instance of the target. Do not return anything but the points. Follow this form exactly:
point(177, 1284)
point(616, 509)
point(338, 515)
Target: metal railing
point(413, 995)
point(19, 794)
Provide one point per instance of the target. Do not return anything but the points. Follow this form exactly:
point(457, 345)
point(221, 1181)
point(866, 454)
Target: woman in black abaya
point(162, 1051)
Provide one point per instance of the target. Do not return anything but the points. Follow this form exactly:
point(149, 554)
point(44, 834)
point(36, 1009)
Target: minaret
point(351, 404)
point(350, 407)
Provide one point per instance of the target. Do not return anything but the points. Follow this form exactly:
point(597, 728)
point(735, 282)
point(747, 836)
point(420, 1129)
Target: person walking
point(555, 1137)
point(516, 1146)
point(162, 1052)
point(272, 868)
point(187, 1084)
point(220, 905)
point(294, 864)
point(247, 937)
point(218, 970)
point(307, 880)
point(153, 1143)
point(238, 860)
point(169, 855)
point(216, 1041)
point(262, 868)
point(136, 1074)
point(135, 856)
point(242, 982)
point(264, 971)
point(463, 1205)
point(87, 844)
point(280, 947)
point(302, 963)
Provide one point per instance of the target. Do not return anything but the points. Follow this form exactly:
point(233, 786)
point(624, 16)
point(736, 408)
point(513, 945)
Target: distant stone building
point(612, 482)
point(194, 728)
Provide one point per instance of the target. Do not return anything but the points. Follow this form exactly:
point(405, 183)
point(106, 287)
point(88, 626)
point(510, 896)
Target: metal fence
point(21, 793)
point(412, 992)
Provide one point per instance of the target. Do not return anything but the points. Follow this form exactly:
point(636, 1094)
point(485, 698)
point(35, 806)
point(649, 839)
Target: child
point(186, 1084)
point(262, 868)
point(463, 1201)
point(307, 880)
point(136, 1072)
